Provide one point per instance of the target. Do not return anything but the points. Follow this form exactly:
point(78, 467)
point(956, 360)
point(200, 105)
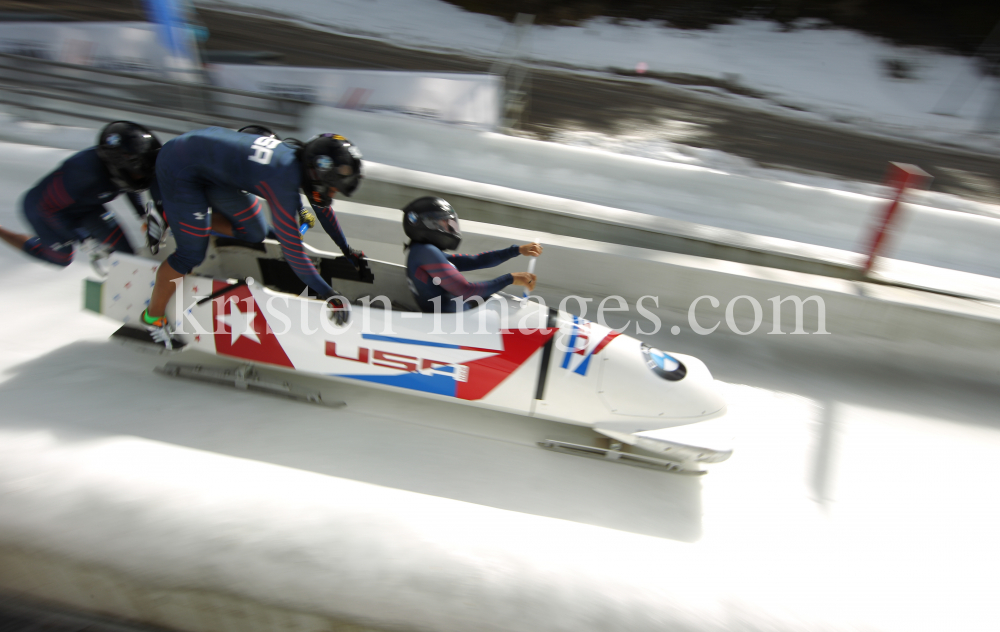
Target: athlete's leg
point(53, 241)
point(243, 211)
point(190, 224)
point(222, 225)
point(16, 240)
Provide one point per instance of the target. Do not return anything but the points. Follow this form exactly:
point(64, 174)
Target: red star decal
point(253, 338)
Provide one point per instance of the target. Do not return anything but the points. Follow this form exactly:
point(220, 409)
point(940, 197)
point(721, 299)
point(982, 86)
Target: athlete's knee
point(252, 232)
point(183, 260)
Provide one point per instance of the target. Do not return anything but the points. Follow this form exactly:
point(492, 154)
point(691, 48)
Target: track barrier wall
point(709, 198)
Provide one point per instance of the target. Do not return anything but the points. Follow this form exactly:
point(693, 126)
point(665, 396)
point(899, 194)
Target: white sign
point(461, 98)
point(134, 47)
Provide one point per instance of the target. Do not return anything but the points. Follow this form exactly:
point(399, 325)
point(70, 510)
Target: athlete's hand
point(355, 256)
point(307, 217)
point(525, 279)
point(531, 250)
point(338, 309)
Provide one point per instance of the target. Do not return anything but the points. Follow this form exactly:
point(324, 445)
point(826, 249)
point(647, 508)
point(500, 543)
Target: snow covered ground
point(831, 75)
point(845, 506)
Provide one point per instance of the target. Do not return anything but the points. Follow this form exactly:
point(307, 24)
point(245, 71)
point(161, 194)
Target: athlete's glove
point(307, 219)
point(355, 256)
point(338, 309)
point(155, 227)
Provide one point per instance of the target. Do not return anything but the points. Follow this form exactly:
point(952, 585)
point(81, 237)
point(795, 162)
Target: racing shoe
point(159, 332)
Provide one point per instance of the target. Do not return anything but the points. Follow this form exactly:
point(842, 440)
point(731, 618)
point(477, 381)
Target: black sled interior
point(265, 263)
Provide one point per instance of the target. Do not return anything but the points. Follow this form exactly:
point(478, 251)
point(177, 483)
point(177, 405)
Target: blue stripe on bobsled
point(569, 349)
point(437, 384)
point(409, 341)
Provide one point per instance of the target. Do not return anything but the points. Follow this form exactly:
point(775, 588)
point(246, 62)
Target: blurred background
point(652, 101)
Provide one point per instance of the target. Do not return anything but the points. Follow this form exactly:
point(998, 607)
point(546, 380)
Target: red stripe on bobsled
point(486, 374)
point(607, 340)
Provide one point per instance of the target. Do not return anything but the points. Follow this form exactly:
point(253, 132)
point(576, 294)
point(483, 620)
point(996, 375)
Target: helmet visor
point(348, 179)
point(449, 225)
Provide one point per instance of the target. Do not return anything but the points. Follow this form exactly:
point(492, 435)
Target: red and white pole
point(900, 178)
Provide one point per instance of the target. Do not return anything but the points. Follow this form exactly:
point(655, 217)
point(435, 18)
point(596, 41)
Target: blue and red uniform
point(433, 274)
point(67, 206)
point(216, 168)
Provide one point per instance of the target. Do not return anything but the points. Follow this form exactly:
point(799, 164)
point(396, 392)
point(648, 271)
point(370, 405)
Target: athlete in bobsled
point(67, 206)
point(224, 170)
point(156, 225)
point(435, 278)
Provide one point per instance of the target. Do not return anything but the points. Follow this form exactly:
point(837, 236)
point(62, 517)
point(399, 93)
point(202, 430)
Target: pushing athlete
point(67, 206)
point(224, 170)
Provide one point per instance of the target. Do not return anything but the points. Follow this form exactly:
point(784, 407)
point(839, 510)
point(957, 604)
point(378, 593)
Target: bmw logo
point(113, 140)
point(324, 163)
point(666, 366)
point(411, 217)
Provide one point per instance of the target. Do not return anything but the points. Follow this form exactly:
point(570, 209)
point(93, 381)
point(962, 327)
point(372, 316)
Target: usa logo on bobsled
point(509, 354)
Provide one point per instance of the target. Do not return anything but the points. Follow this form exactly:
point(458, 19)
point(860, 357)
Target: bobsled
point(651, 408)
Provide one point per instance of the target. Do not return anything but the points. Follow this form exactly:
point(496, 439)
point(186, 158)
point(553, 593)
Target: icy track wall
point(812, 215)
point(505, 172)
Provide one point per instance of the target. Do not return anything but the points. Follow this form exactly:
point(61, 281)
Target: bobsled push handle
point(228, 288)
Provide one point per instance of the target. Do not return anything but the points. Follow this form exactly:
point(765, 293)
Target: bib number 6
point(263, 149)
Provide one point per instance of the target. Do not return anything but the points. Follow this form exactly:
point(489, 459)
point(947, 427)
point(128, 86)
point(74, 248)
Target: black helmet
point(329, 160)
point(128, 150)
point(258, 130)
point(431, 220)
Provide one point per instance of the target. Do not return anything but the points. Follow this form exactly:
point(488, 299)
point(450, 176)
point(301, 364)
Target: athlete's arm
point(452, 281)
point(484, 259)
point(332, 227)
point(284, 212)
point(55, 197)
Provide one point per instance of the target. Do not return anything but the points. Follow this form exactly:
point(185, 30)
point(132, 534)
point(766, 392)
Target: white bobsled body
point(509, 354)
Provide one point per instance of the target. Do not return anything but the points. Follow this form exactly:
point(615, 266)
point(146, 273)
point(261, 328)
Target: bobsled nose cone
point(672, 388)
point(701, 388)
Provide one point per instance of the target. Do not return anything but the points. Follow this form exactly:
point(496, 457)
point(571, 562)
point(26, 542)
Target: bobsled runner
point(511, 354)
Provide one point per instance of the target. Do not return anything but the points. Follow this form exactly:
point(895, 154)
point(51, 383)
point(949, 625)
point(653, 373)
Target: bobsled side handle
point(543, 370)
point(219, 293)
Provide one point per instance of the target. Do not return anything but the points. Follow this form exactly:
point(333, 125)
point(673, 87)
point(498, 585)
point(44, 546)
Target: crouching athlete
point(225, 170)
point(434, 277)
point(67, 206)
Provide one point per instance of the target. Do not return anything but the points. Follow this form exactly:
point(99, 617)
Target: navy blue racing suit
point(433, 274)
point(67, 206)
point(220, 168)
